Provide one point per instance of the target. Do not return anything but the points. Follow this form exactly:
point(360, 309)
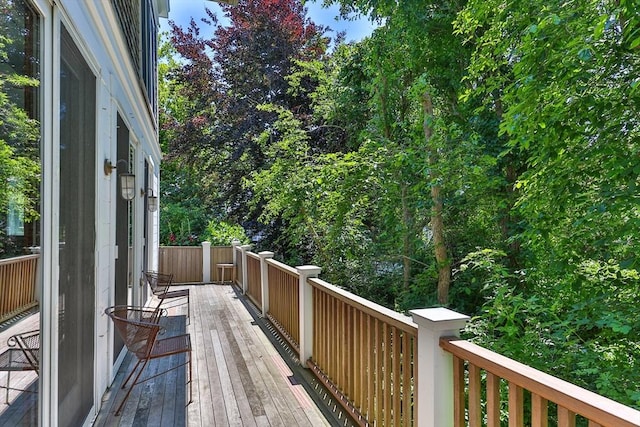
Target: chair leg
point(190, 380)
point(124, 384)
point(118, 411)
point(6, 399)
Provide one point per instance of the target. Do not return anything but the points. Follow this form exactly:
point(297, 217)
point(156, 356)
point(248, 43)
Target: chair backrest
point(137, 326)
point(159, 282)
point(29, 343)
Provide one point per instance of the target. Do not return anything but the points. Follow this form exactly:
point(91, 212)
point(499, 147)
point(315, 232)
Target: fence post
point(306, 311)
point(435, 366)
point(235, 242)
point(245, 279)
point(206, 262)
point(264, 280)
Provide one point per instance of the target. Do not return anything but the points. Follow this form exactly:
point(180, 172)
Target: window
point(20, 168)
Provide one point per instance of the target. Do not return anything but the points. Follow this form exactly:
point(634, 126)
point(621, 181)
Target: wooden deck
point(22, 409)
point(239, 377)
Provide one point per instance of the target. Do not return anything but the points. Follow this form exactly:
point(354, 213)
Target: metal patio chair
point(22, 355)
point(139, 328)
point(160, 284)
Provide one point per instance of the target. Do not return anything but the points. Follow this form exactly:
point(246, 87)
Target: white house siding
point(94, 28)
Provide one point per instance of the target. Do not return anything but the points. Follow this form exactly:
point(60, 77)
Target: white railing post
point(264, 280)
point(435, 366)
point(206, 262)
point(235, 242)
point(245, 279)
point(306, 311)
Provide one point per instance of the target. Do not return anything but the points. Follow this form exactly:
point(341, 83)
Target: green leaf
point(585, 54)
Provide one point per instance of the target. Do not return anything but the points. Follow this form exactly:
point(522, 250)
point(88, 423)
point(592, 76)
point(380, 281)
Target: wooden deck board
point(23, 406)
point(239, 378)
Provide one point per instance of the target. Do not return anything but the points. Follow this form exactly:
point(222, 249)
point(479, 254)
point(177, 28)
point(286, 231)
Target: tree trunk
point(407, 250)
point(507, 220)
point(437, 223)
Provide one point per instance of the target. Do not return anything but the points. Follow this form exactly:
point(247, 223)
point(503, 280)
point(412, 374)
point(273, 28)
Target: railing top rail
point(393, 318)
point(18, 259)
point(187, 248)
point(253, 255)
point(284, 267)
point(596, 408)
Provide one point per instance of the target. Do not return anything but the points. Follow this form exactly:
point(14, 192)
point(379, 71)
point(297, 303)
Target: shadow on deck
point(243, 374)
point(22, 395)
point(239, 377)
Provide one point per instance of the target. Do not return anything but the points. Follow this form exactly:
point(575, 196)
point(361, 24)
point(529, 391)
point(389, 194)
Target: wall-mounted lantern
point(152, 200)
point(127, 180)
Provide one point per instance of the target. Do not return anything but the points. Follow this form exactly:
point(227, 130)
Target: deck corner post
point(306, 311)
point(245, 279)
point(235, 242)
point(206, 262)
point(435, 366)
point(264, 280)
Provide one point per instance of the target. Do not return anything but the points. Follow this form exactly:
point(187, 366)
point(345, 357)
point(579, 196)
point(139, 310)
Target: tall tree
point(229, 74)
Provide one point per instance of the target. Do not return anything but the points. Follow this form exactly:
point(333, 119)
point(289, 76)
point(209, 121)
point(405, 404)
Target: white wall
point(95, 30)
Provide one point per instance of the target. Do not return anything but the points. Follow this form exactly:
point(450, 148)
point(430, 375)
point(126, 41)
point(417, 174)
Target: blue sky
point(182, 11)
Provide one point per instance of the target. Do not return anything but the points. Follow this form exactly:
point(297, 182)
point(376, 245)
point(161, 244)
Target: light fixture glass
point(127, 186)
point(152, 203)
point(127, 180)
point(152, 200)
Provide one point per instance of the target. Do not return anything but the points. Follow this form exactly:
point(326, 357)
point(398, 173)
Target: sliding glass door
point(76, 306)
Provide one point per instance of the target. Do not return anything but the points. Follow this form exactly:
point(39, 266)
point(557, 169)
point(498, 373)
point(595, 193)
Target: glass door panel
point(76, 308)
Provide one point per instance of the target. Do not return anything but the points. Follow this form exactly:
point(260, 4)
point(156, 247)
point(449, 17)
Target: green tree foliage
point(223, 233)
point(566, 75)
point(19, 132)
point(487, 146)
point(224, 76)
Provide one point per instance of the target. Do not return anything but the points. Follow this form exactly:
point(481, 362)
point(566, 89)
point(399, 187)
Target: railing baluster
point(539, 411)
point(516, 408)
point(371, 365)
point(493, 400)
point(387, 373)
point(407, 374)
point(395, 383)
point(378, 364)
point(475, 413)
point(458, 392)
point(566, 418)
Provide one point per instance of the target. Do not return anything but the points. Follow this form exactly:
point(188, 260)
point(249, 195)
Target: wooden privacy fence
point(387, 369)
point(186, 262)
point(18, 280)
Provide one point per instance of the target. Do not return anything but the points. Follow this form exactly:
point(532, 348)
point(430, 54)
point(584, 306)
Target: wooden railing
point(387, 369)
point(572, 401)
point(254, 288)
point(18, 280)
point(284, 300)
point(366, 354)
